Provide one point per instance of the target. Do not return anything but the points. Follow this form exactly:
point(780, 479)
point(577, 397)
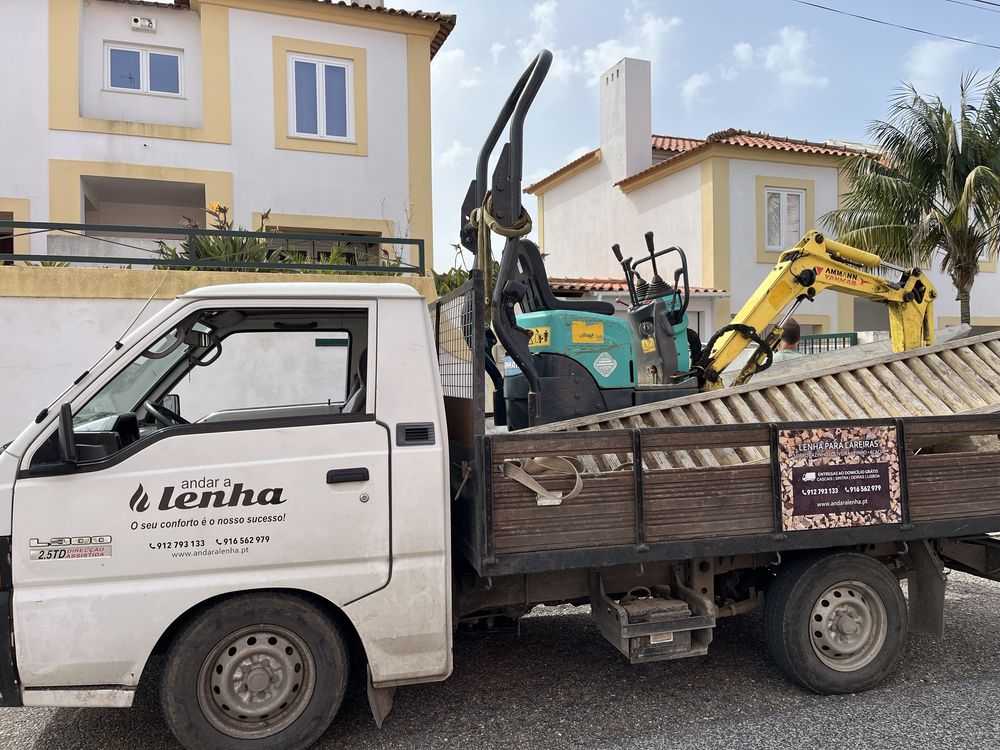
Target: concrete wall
point(48, 342)
point(25, 139)
point(626, 118)
point(57, 322)
point(374, 187)
point(985, 298)
point(747, 271)
point(312, 183)
point(175, 30)
point(145, 215)
point(585, 215)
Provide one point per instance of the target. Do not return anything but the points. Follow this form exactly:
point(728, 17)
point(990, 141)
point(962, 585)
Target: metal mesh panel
point(458, 340)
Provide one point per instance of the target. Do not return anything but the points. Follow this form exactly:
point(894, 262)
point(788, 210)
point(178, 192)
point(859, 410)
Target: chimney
point(626, 118)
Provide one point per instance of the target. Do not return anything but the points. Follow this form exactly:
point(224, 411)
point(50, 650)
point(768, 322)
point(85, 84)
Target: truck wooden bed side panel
point(701, 508)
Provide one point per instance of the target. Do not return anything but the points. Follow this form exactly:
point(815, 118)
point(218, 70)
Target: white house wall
point(112, 22)
point(985, 303)
point(24, 109)
point(746, 273)
point(48, 342)
point(291, 182)
point(587, 214)
point(295, 182)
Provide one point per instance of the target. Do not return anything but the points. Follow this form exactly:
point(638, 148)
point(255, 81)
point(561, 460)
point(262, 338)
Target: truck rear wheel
point(266, 671)
point(835, 623)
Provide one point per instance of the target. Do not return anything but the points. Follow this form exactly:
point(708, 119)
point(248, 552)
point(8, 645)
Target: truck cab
point(264, 444)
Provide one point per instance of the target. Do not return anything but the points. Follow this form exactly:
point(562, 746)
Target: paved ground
point(559, 685)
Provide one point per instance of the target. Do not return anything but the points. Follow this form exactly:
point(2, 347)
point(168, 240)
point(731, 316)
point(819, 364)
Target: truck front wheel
point(835, 623)
point(265, 671)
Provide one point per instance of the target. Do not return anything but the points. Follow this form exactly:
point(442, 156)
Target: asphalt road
point(558, 684)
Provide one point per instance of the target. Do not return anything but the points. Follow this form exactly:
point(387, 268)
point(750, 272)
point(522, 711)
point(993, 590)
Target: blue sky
point(771, 65)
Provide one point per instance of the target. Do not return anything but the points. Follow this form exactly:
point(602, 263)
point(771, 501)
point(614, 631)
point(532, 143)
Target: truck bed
point(667, 488)
point(949, 474)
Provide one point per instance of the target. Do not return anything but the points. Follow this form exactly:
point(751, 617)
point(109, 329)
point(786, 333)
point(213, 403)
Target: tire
point(835, 623)
point(285, 700)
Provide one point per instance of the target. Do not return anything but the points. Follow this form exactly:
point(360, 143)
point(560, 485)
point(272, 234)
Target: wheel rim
point(848, 626)
point(256, 682)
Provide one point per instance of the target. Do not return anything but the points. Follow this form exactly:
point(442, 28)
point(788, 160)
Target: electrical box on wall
point(140, 23)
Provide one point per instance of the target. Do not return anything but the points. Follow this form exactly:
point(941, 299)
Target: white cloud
point(644, 39)
point(535, 175)
point(692, 87)
point(496, 49)
point(576, 153)
point(789, 59)
point(931, 66)
point(454, 155)
point(740, 59)
point(450, 70)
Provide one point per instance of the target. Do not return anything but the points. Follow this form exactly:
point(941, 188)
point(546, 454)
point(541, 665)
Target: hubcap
point(848, 626)
point(256, 682)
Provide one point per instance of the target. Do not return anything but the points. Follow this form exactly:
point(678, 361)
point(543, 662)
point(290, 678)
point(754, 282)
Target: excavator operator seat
point(539, 296)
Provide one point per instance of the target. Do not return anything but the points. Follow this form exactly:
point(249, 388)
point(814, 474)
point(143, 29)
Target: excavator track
point(960, 376)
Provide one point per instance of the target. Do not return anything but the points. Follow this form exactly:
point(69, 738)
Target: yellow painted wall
point(121, 283)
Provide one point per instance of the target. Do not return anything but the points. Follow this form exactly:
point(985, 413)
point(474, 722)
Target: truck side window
point(228, 366)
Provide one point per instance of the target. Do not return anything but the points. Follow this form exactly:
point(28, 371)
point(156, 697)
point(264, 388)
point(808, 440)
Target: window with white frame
point(784, 217)
point(321, 101)
point(143, 70)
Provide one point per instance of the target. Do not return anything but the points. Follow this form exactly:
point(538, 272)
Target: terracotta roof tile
point(445, 21)
point(778, 143)
point(749, 139)
point(608, 285)
point(675, 143)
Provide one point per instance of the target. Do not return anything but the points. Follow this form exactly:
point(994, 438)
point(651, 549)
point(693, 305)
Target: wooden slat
point(706, 477)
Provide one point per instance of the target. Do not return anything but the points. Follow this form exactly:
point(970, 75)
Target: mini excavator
point(572, 358)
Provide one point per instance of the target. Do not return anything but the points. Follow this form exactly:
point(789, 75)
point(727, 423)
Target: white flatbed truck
point(212, 491)
point(256, 545)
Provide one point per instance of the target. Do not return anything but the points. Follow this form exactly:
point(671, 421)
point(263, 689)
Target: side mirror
point(172, 401)
point(67, 438)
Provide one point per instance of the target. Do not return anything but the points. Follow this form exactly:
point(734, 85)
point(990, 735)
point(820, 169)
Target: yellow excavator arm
point(814, 264)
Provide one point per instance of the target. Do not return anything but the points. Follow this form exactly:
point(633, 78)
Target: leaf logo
point(140, 500)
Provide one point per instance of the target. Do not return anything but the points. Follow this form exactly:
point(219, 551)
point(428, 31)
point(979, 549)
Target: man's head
point(790, 334)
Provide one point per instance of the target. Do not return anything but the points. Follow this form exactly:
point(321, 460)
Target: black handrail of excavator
point(506, 205)
point(506, 208)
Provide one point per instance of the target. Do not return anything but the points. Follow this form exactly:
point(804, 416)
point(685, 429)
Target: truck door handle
point(337, 476)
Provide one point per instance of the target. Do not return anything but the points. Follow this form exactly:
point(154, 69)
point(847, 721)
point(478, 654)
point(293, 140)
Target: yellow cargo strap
point(524, 471)
point(484, 221)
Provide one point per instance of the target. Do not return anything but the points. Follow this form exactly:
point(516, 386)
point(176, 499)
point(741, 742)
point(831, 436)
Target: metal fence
point(814, 343)
point(217, 249)
point(459, 335)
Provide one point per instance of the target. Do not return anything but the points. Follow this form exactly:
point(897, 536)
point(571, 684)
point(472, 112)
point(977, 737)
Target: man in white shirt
point(789, 340)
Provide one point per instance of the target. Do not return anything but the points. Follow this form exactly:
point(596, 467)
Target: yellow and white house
point(733, 201)
point(130, 112)
point(138, 113)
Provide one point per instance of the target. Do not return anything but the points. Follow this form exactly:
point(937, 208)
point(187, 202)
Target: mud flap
point(380, 700)
point(925, 589)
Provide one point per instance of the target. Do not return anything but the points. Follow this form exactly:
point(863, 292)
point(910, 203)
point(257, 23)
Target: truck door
point(264, 467)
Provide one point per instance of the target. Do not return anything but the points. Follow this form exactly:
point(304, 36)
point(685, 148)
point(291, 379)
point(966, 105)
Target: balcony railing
point(814, 343)
point(220, 250)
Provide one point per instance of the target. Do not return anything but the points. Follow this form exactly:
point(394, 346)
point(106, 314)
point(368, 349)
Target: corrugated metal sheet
point(956, 377)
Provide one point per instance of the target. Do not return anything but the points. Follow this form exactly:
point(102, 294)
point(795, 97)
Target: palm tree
point(933, 190)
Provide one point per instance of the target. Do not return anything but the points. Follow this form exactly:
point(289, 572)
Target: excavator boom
point(813, 265)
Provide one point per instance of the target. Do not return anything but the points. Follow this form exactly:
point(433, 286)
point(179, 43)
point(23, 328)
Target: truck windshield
point(129, 387)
